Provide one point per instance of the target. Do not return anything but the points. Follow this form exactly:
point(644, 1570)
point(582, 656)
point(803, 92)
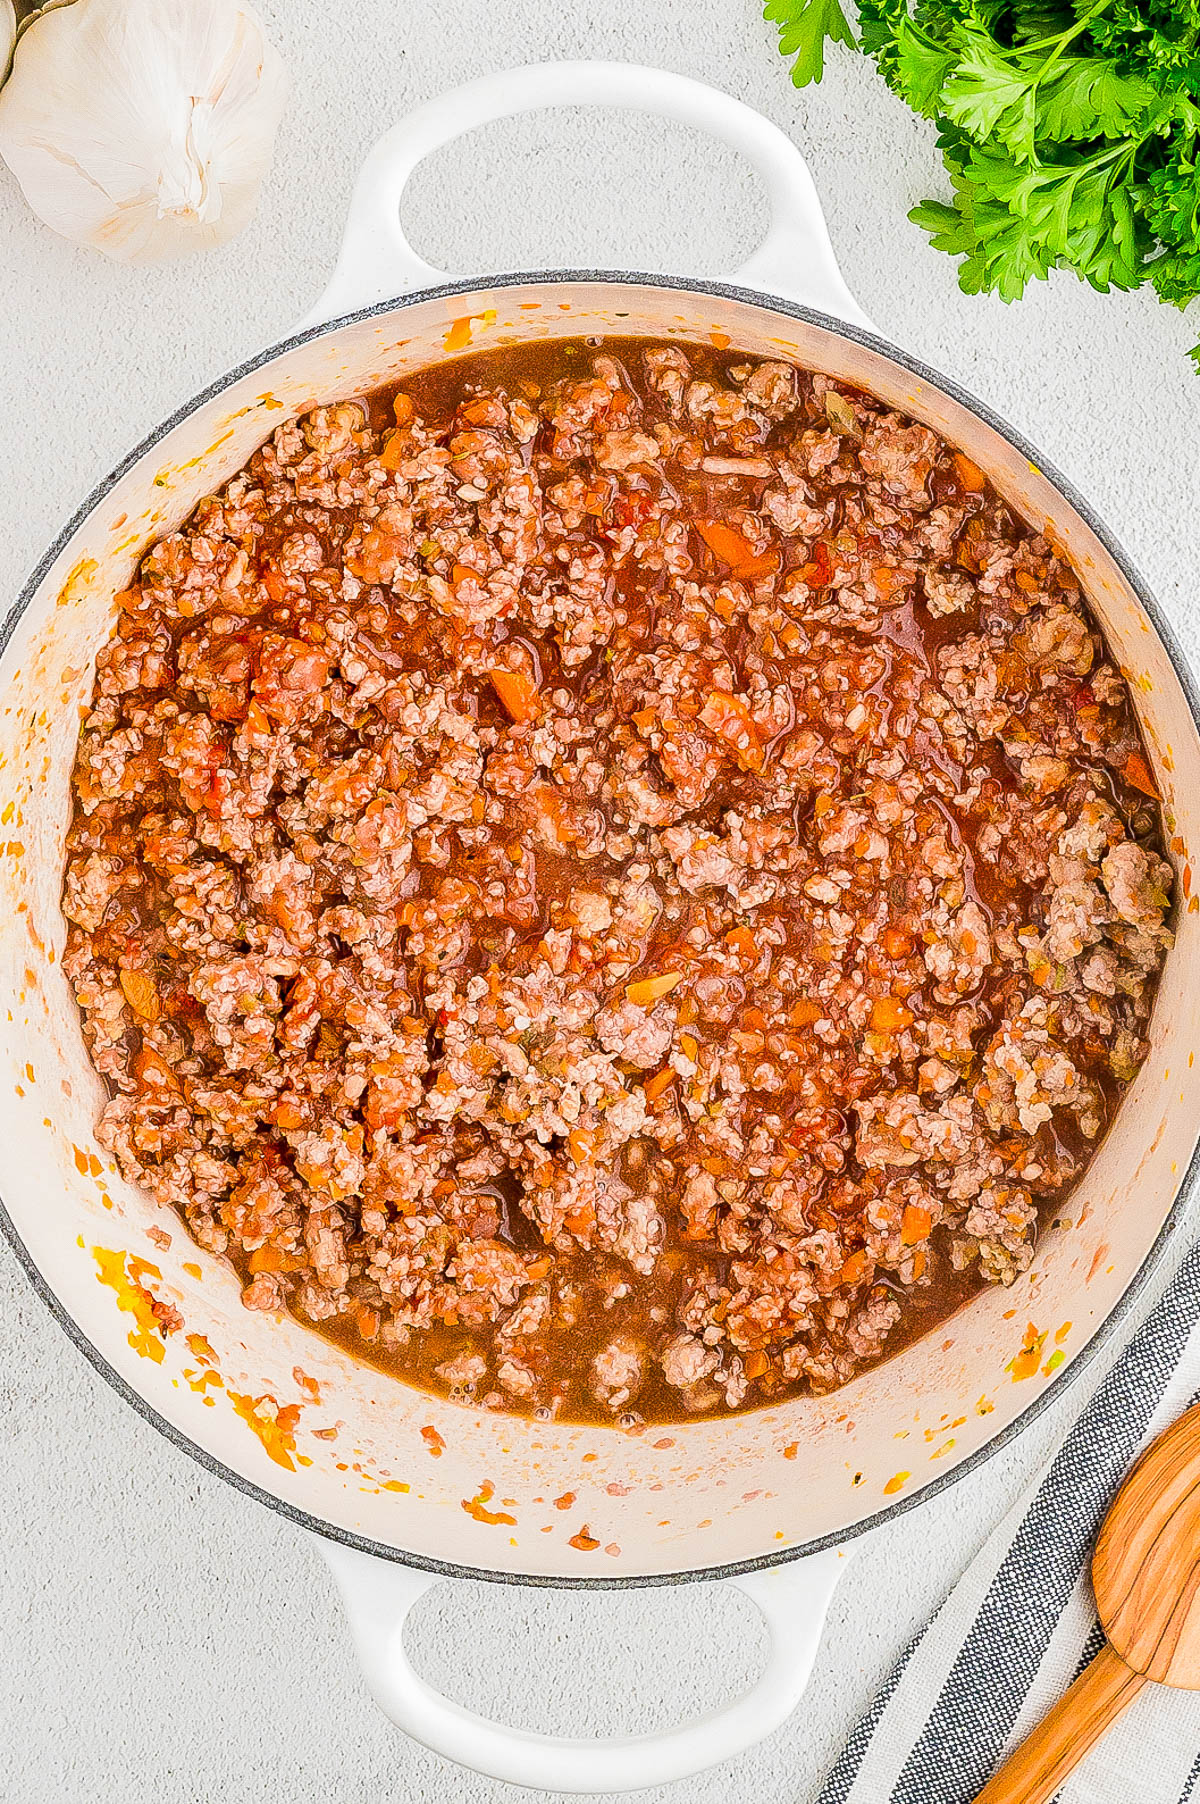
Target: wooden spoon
point(1146, 1574)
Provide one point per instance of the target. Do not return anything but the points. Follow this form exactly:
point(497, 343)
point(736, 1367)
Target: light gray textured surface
point(161, 1638)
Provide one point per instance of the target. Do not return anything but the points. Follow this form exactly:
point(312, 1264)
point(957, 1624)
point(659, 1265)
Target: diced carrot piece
point(915, 1224)
point(539, 1268)
point(888, 580)
point(726, 542)
point(404, 410)
point(580, 1221)
point(1025, 581)
point(765, 564)
point(756, 1021)
point(889, 1015)
point(1137, 772)
point(273, 583)
point(896, 942)
point(518, 692)
point(734, 548)
point(743, 942)
point(394, 452)
point(656, 1086)
point(805, 1012)
point(141, 993)
point(854, 1269)
point(367, 1322)
point(581, 1144)
point(266, 1259)
point(645, 718)
point(920, 1260)
point(970, 475)
point(647, 990)
point(150, 1069)
point(756, 1363)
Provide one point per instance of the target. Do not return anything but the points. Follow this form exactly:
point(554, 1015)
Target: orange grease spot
point(274, 1425)
point(476, 1507)
point(1027, 1361)
point(133, 1298)
point(896, 1484)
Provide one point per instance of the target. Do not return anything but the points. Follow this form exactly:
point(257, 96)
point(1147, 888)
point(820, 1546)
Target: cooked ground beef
point(615, 880)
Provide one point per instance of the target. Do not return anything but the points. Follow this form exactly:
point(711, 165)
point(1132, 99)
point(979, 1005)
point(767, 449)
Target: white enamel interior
point(672, 1500)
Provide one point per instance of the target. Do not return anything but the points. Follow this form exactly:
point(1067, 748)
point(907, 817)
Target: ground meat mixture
point(614, 881)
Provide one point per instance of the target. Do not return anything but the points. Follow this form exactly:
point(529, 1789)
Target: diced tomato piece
point(632, 507)
point(1138, 774)
point(819, 567)
point(729, 718)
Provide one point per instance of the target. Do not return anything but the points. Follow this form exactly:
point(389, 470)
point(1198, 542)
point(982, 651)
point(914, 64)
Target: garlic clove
point(140, 129)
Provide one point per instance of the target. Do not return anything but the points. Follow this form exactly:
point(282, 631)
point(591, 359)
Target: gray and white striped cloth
point(1020, 1623)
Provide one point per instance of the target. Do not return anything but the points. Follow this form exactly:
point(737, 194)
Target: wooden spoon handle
point(1034, 1772)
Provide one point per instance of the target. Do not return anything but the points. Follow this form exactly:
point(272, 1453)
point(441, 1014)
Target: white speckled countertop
point(162, 1639)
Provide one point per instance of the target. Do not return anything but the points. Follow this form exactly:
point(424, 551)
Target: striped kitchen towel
point(1020, 1622)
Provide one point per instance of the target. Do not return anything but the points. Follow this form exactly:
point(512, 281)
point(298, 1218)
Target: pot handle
point(376, 261)
point(378, 1596)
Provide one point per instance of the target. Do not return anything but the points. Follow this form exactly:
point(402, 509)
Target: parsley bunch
point(1070, 129)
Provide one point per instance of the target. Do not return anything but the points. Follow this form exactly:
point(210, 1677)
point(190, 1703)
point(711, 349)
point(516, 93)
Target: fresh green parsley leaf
point(919, 68)
point(989, 96)
point(804, 25)
point(1088, 97)
point(1070, 130)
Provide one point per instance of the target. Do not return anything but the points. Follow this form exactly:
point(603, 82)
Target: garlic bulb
point(143, 127)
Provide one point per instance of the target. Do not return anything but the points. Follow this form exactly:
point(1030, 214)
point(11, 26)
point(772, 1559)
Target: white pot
point(415, 1479)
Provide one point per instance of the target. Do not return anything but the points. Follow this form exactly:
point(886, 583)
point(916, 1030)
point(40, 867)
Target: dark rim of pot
point(1105, 1330)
